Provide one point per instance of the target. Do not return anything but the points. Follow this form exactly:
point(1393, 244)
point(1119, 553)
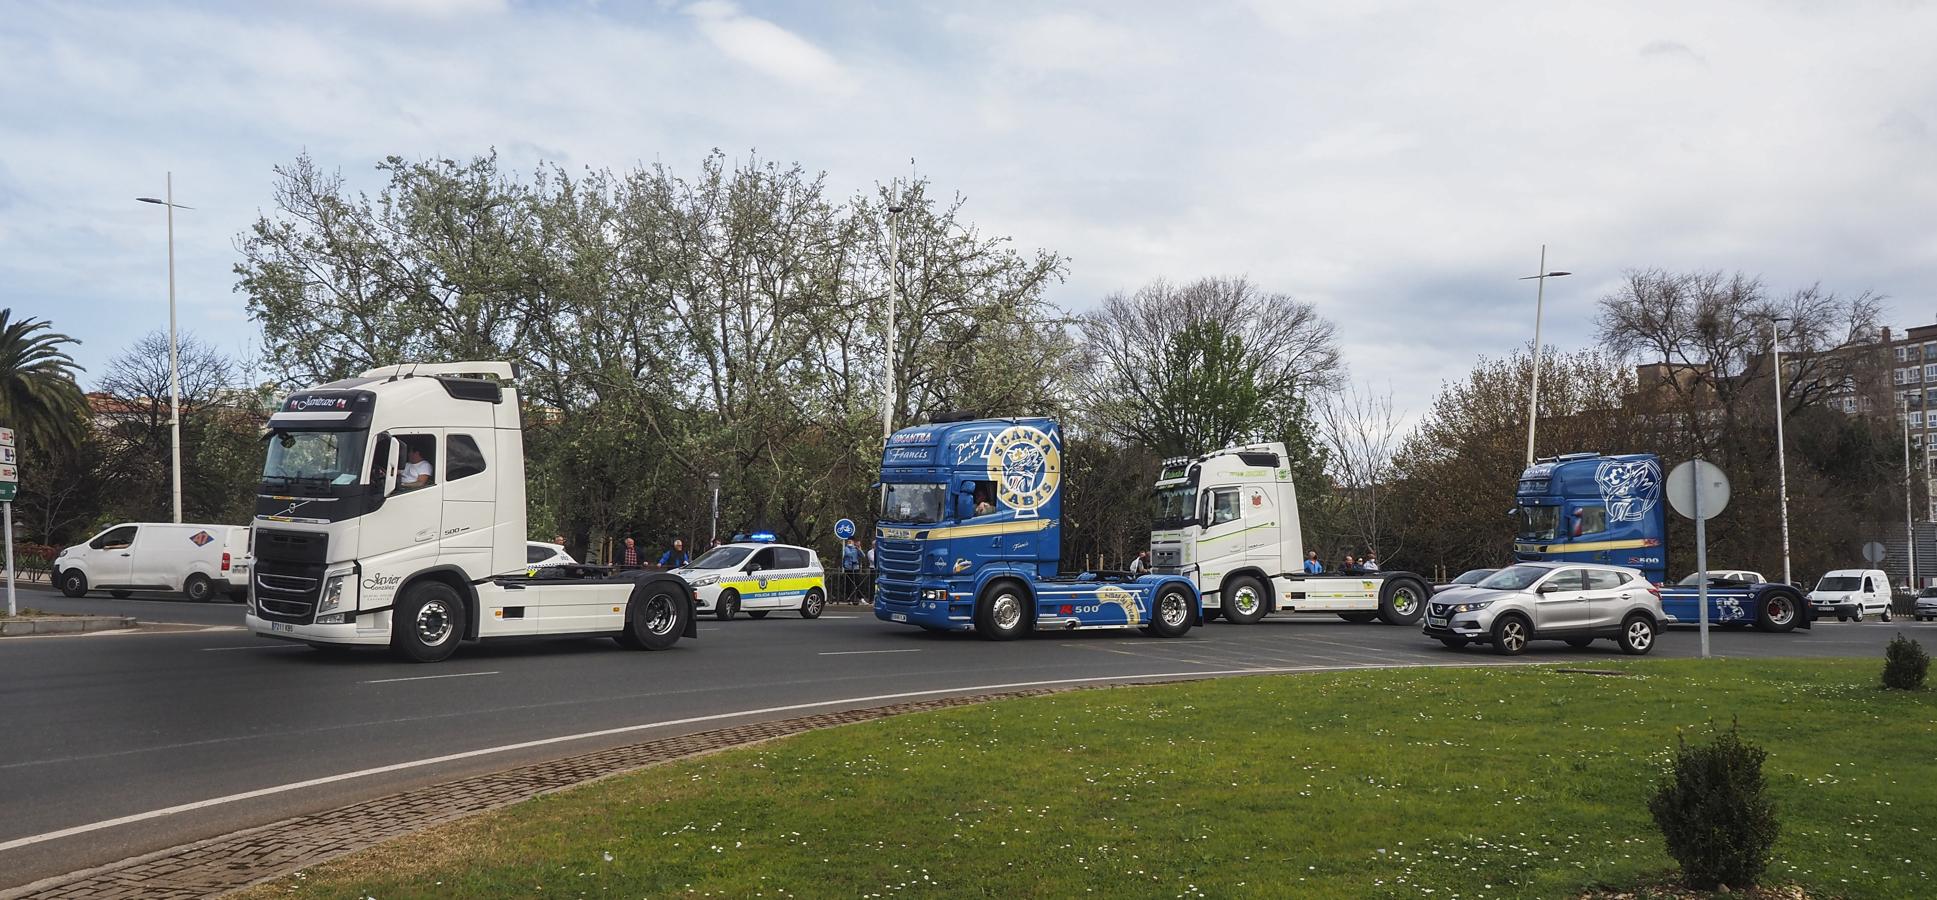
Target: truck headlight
point(934, 594)
point(704, 581)
point(332, 593)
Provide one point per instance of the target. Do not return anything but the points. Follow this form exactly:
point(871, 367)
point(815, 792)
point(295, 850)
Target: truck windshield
point(314, 457)
point(720, 558)
point(1539, 523)
point(1838, 583)
point(913, 502)
point(1171, 506)
point(1514, 578)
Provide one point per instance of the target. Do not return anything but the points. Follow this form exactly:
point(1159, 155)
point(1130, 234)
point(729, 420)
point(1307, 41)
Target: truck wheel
point(1358, 618)
point(811, 607)
point(729, 603)
point(1243, 600)
point(1637, 635)
point(1003, 612)
point(1170, 613)
point(1777, 613)
point(198, 588)
point(1402, 601)
point(428, 624)
point(1510, 635)
point(74, 583)
point(654, 618)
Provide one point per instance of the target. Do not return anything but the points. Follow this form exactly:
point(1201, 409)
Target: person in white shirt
point(1140, 565)
point(417, 471)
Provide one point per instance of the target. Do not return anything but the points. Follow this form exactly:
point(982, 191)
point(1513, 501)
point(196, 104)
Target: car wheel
point(729, 603)
point(1886, 614)
point(1171, 613)
point(1858, 615)
point(1402, 601)
point(1453, 643)
point(1777, 613)
point(1243, 600)
point(1359, 618)
point(121, 595)
point(1637, 635)
point(74, 583)
point(655, 618)
point(198, 588)
point(1003, 612)
point(1580, 643)
point(1511, 634)
point(811, 607)
point(428, 624)
point(756, 613)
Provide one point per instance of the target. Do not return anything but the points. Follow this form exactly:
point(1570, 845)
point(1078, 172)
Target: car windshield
point(1928, 592)
point(720, 558)
point(1171, 506)
point(1514, 578)
point(1839, 583)
point(1539, 523)
point(1474, 577)
point(919, 503)
point(323, 457)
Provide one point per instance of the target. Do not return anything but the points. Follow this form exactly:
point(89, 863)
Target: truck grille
point(287, 596)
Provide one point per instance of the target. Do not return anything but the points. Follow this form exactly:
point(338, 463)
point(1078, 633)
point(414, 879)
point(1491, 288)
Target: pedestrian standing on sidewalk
point(629, 557)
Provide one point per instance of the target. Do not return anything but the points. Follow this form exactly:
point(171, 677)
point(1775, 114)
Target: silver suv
point(1572, 602)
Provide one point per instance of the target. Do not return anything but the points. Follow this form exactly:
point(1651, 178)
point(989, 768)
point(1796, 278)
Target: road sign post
point(1698, 490)
point(9, 482)
point(844, 529)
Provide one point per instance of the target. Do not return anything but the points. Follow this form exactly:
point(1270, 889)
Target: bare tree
point(1363, 433)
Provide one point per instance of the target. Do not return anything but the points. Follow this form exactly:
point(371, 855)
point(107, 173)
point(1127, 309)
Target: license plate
point(282, 626)
point(898, 617)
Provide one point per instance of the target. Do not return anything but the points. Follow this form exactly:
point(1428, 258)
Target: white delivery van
point(1851, 593)
point(201, 561)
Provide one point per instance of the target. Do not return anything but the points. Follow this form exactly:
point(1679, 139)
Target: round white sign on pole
point(1874, 552)
point(1681, 489)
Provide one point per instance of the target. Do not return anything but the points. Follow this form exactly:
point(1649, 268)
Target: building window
point(1903, 353)
point(1930, 372)
point(1930, 351)
point(1916, 420)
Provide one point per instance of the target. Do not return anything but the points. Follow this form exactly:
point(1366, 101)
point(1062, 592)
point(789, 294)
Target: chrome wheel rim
point(1245, 600)
point(1513, 637)
point(434, 623)
point(1640, 635)
point(1780, 611)
point(814, 604)
point(1008, 611)
point(1173, 609)
point(1404, 601)
point(659, 614)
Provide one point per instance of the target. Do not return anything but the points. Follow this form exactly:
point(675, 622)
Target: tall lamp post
point(1539, 300)
point(1909, 528)
point(894, 292)
point(174, 363)
point(1782, 457)
point(713, 481)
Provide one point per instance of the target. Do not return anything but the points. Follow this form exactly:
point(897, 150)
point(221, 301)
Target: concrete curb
point(63, 625)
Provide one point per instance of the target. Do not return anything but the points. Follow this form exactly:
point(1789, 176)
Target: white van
point(201, 561)
point(1851, 593)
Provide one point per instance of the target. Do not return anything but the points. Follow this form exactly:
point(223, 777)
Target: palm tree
point(39, 398)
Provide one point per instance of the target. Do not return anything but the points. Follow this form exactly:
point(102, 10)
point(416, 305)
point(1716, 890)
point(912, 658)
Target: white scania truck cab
point(392, 504)
point(1229, 521)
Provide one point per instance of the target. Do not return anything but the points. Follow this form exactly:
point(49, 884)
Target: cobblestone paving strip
point(234, 861)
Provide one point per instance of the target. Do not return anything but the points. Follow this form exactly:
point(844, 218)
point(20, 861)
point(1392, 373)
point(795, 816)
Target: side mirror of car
point(1550, 588)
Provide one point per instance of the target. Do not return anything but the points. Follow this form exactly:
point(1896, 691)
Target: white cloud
point(766, 47)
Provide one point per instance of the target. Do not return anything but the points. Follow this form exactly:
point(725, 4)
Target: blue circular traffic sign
point(844, 529)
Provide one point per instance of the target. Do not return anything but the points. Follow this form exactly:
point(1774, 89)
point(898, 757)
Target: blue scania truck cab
point(969, 538)
point(1589, 507)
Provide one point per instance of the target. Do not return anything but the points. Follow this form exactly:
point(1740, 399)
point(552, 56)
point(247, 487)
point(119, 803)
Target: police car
point(757, 577)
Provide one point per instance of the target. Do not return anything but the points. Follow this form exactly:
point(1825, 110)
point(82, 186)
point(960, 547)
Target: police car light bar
point(762, 537)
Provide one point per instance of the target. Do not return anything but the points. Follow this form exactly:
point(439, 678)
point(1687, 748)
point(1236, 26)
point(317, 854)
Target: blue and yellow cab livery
point(757, 577)
point(969, 538)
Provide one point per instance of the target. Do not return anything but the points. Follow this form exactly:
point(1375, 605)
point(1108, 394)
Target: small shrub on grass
point(1905, 664)
point(1714, 814)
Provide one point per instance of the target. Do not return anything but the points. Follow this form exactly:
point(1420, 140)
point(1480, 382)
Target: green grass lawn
point(1433, 783)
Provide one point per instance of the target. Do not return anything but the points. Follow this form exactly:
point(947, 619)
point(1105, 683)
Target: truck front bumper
point(953, 614)
point(366, 630)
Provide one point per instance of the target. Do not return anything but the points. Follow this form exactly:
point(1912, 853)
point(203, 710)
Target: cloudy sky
point(1398, 164)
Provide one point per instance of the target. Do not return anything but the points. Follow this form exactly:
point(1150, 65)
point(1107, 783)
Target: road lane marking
point(273, 790)
point(859, 652)
point(427, 677)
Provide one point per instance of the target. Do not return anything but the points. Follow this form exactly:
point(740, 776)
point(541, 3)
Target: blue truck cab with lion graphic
point(969, 538)
point(1587, 507)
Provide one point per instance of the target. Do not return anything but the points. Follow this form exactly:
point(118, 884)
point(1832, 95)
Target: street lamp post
point(713, 481)
point(1539, 300)
point(1909, 528)
point(894, 292)
point(1782, 457)
point(174, 363)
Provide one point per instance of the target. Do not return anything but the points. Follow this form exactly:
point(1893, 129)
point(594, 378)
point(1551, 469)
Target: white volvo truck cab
point(1229, 521)
point(392, 505)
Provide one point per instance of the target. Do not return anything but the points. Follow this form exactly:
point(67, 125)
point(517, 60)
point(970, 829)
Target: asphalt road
point(113, 726)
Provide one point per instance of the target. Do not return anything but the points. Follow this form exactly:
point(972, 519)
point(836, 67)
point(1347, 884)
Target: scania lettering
point(1594, 508)
point(1228, 520)
point(349, 552)
point(970, 539)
